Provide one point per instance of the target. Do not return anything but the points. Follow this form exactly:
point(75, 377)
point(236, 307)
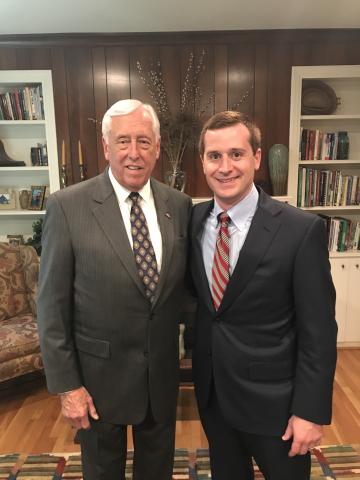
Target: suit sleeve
point(316, 327)
point(55, 302)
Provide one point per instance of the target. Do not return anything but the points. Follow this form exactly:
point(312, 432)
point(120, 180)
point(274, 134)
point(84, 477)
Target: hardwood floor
point(30, 420)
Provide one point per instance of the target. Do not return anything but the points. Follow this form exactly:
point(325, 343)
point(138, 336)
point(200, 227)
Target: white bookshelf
point(345, 81)
point(18, 136)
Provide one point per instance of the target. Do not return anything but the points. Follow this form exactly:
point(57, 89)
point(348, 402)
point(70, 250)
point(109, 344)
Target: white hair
point(124, 107)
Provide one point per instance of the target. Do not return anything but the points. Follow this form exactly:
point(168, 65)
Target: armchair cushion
point(14, 296)
point(18, 337)
point(19, 340)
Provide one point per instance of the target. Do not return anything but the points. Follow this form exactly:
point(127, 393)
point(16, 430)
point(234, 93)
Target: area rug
point(337, 462)
point(340, 462)
point(68, 466)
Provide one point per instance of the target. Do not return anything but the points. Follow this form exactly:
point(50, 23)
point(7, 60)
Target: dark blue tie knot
point(134, 197)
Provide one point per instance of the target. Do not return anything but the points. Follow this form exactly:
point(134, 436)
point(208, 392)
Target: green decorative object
point(343, 146)
point(278, 168)
point(35, 241)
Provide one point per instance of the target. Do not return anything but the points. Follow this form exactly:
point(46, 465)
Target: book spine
point(18, 106)
point(13, 105)
point(299, 188)
point(303, 144)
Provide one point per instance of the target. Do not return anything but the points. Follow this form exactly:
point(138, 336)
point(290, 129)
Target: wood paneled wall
point(90, 72)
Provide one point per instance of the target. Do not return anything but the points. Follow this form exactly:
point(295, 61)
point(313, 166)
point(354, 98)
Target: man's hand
point(305, 434)
point(76, 406)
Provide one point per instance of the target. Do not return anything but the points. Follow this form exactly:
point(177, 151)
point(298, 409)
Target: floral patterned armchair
point(19, 341)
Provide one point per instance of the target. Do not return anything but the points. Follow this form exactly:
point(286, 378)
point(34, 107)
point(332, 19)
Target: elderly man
point(110, 294)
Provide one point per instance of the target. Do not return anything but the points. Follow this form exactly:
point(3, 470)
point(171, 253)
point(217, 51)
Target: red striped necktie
point(220, 270)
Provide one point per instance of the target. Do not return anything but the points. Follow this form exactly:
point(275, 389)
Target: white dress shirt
point(147, 203)
point(241, 216)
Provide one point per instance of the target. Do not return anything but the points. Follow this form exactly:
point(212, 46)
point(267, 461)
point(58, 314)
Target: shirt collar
point(243, 210)
point(123, 193)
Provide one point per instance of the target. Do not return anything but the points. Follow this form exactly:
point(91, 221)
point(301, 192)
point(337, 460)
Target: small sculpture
point(6, 161)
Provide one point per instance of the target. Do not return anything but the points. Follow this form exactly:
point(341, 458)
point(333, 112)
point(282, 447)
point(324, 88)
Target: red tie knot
point(224, 219)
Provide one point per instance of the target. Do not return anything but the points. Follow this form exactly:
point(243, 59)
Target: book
point(303, 140)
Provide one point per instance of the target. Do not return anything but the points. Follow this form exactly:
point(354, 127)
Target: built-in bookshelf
point(320, 180)
point(323, 182)
point(28, 134)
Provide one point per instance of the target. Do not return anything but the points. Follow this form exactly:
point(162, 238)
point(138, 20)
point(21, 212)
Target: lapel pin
point(167, 214)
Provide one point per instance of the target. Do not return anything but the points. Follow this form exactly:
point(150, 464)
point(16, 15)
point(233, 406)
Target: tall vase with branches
point(180, 129)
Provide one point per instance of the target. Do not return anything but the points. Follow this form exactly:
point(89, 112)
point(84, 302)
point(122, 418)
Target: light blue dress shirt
point(241, 216)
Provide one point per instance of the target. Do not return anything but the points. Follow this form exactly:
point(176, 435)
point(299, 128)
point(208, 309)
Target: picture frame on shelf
point(7, 199)
point(15, 240)
point(37, 197)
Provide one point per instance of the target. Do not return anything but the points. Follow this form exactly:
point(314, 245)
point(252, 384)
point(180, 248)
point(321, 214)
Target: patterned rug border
point(67, 466)
point(330, 462)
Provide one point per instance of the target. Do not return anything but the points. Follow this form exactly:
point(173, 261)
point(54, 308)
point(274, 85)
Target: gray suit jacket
point(96, 326)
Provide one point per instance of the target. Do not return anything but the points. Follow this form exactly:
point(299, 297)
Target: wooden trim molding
point(175, 38)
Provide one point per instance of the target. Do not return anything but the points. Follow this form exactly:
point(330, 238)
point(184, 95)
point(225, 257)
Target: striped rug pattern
point(67, 466)
point(337, 462)
point(340, 462)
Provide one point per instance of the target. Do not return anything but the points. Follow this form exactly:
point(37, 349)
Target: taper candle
point(63, 163)
point(80, 154)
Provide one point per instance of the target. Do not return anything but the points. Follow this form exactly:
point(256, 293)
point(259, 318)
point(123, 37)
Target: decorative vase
point(278, 168)
point(176, 179)
point(24, 198)
point(343, 146)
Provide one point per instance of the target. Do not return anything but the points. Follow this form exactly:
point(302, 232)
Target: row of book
point(39, 155)
point(327, 188)
point(318, 145)
point(343, 234)
point(22, 104)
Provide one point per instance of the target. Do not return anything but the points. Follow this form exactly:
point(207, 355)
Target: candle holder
point(82, 170)
point(63, 176)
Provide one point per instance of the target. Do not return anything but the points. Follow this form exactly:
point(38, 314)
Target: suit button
point(209, 352)
point(146, 353)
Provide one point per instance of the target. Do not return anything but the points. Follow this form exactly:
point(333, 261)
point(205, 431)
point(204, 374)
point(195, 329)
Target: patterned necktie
point(143, 250)
point(220, 270)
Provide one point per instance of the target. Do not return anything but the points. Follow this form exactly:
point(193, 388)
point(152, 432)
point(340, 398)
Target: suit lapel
point(264, 226)
point(107, 213)
point(198, 222)
point(165, 219)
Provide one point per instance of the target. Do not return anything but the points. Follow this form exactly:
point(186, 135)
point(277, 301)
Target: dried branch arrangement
point(178, 129)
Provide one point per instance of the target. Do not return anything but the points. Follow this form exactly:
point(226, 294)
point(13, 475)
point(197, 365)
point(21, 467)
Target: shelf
point(21, 213)
point(25, 169)
point(348, 253)
point(355, 163)
point(329, 117)
point(12, 123)
point(345, 208)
